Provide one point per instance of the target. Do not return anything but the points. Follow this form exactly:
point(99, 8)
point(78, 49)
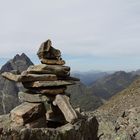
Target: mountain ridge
point(111, 84)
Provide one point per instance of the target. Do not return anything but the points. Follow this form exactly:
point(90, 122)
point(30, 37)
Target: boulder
point(62, 101)
point(84, 129)
point(27, 112)
point(46, 51)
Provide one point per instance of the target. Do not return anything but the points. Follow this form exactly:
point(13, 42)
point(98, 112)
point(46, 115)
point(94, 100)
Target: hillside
point(119, 118)
point(81, 97)
point(124, 100)
point(109, 85)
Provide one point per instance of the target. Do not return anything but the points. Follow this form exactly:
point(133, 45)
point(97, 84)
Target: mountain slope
point(119, 118)
point(110, 85)
point(81, 97)
point(124, 100)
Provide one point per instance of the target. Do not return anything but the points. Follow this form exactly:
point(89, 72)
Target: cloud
point(95, 28)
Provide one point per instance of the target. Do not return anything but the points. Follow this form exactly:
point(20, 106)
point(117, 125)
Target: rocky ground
point(95, 126)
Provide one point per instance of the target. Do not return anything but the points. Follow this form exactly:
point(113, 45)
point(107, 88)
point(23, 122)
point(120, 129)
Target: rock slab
point(27, 112)
point(50, 69)
point(29, 77)
point(32, 98)
point(62, 101)
point(52, 62)
point(39, 84)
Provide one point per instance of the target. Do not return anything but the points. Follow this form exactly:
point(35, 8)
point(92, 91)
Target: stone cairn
point(44, 100)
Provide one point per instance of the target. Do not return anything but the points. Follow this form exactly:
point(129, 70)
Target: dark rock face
point(9, 89)
point(8, 95)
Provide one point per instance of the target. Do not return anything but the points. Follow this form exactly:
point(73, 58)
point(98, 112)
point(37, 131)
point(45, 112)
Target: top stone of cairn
point(49, 55)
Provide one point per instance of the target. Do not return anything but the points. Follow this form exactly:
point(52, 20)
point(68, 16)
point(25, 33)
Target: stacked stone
point(46, 84)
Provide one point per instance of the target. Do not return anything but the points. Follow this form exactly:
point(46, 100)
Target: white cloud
point(101, 28)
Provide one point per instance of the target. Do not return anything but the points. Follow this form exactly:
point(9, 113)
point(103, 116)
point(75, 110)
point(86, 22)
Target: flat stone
point(50, 91)
point(38, 77)
point(49, 69)
point(39, 84)
point(52, 62)
point(27, 112)
point(11, 76)
point(32, 98)
point(29, 77)
point(62, 101)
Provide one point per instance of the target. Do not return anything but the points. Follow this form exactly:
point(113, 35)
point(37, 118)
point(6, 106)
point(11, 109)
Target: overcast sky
point(91, 34)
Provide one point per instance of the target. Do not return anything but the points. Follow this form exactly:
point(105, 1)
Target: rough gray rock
point(84, 129)
point(62, 101)
point(129, 122)
point(95, 126)
point(26, 113)
point(32, 98)
point(8, 95)
point(60, 71)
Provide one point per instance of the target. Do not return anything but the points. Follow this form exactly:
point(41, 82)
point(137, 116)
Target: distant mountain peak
point(19, 63)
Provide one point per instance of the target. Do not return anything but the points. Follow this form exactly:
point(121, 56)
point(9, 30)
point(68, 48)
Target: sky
point(91, 34)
